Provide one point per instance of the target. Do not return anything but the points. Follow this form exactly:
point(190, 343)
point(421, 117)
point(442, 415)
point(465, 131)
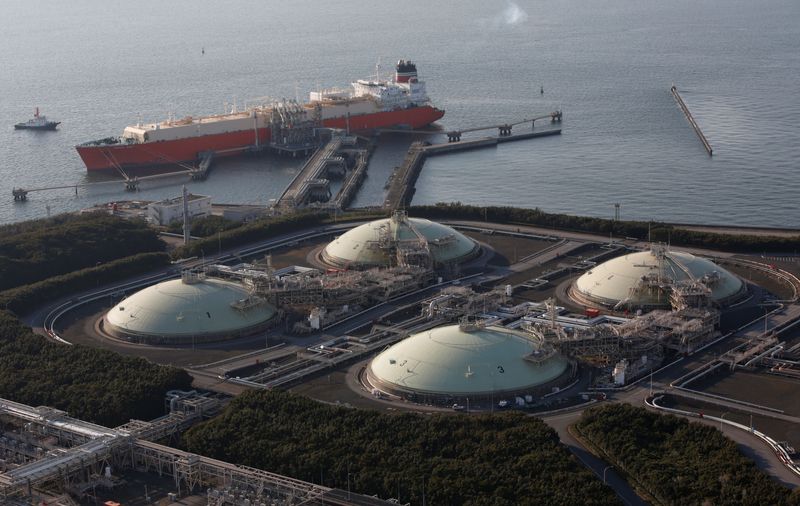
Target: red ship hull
point(187, 150)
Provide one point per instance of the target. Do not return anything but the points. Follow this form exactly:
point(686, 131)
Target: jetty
point(202, 170)
point(353, 180)
point(311, 185)
point(691, 120)
point(401, 184)
point(131, 183)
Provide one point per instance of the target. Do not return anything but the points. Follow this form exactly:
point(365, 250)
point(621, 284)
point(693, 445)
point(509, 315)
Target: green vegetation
point(507, 459)
point(35, 250)
point(658, 231)
point(23, 299)
point(205, 226)
point(259, 230)
point(44, 260)
point(262, 230)
point(90, 384)
point(679, 462)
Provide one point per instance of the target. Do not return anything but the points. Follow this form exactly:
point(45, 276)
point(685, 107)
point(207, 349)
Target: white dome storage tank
point(455, 362)
point(375, 244)
point(189, 310)
point(645, 280)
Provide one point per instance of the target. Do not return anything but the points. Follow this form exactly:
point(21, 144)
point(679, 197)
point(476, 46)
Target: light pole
point(605, 470)
point(720, 420)
point(491, 409)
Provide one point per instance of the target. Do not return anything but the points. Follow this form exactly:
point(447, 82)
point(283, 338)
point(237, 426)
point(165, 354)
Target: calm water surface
point(97, 67)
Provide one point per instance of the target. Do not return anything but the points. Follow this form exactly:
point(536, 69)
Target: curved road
point(561, 422)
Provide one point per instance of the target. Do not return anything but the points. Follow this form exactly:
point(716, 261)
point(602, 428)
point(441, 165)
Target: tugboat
point(37, 123)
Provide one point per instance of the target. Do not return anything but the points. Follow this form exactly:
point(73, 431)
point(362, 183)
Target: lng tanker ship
point(370, 103)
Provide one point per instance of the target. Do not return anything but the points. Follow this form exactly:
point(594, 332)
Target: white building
point(169, 210)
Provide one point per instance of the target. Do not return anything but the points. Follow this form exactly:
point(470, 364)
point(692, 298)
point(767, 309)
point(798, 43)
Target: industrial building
point(399, 240)
point(170, 210)
point(189, 310)
point(656, 279)
point(454, 363)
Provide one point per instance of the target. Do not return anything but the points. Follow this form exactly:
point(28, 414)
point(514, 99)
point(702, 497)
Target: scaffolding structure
point(679, 290)
point(293, 129)
point(399, 242)
point(601, 345)
point(77, 456)
point(605, 343)
point(456, 302)
point(331, 295)
point(405, 252)
point(683, 330)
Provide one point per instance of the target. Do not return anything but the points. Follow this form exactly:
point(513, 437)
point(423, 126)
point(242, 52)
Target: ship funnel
point(406, 71)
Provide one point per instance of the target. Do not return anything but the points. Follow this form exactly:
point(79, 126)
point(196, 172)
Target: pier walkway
point(401, 182)
point(310, 184)
point(131, 183)
point(353, 181)
point(692, 122)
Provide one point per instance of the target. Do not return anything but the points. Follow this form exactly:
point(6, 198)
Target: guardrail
point(780, 452)
point(793, 280)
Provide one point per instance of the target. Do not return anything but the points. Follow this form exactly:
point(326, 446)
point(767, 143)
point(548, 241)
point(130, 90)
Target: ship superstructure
point(370, 103)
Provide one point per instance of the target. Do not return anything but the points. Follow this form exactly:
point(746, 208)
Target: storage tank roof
point(362, 245)
point(613, 281)
point(176, 308)
point(452, 360)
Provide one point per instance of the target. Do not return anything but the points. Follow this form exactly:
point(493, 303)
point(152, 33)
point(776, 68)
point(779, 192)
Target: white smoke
point(513, 14)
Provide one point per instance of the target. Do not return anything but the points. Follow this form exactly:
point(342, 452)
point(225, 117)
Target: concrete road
point(603, 470)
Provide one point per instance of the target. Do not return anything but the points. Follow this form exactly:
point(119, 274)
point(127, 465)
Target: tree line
point(641, 230)
point(205, 226)
point(35, 250)
point(260, 230)
point(26, 298)
point(91, 384)
point(677, 461)
point(455, 459)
